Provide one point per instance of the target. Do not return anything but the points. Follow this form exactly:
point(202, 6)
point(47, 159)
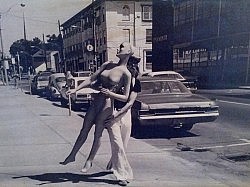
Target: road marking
point(233, 102)
point(247, 142)
point(222, 146)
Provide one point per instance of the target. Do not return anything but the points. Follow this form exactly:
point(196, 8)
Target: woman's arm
point(87, 82)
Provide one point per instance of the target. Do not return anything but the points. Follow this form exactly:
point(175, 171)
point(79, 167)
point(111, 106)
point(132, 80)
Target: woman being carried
point(111, 76)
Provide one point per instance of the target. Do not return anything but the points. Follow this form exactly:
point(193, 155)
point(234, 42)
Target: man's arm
point(128, 105)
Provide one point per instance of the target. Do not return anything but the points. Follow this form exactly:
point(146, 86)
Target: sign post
point(69, 104)
point(6, 67)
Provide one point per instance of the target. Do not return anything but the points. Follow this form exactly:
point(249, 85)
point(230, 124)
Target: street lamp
point(24, 28)
point(1, 37)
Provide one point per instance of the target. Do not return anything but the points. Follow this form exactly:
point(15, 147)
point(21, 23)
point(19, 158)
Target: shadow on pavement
point(154, 132)
point(82, 108)
point(58, 105)
point(53, 178)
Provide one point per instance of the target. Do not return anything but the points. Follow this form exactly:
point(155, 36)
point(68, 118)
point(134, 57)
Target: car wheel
point(33, 91)
point(48, 95)
point(136, 128)
point(64, 102)
point(74, 106)
point(187, 127)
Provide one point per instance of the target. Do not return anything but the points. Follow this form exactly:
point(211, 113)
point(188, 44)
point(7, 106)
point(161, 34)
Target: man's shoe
point(86, 167)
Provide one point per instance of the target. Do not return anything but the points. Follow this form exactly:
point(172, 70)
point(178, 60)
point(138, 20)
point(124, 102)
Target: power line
point(34, 20)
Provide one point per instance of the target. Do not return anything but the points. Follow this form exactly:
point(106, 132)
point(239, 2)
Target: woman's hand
point(71, 91)
point(105, 91)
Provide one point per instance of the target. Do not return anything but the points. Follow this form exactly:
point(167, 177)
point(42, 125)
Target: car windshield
point(82, 74)
point(162, 86)
point(43, 78)
point(73, 83)
point(79, 82)
point(45, 73)
point(60, 79)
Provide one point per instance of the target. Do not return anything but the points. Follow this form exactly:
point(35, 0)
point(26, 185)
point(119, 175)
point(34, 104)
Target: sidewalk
point(36, 134)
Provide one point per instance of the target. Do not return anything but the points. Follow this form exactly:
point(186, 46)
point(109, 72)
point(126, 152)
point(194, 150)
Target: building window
point(126, 35)
point(103, 14)
point(183, 13)
point(148, 35)
point(146, 13)
point(126, 13)
point(148, 60)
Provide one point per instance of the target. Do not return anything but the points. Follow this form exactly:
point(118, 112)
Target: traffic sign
point(90, 47)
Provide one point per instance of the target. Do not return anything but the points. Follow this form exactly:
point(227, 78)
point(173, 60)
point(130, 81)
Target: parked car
point(169, 102)
point(40, 82)
point(56, 82)
point(190, 84)
point(78, 98)
point(82, 74)
point(25, 76)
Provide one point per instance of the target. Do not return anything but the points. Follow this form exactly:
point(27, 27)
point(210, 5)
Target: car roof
point(58, 75)
point(148, 78)
point(161, 72)
point(79, 78)
point(157, 73)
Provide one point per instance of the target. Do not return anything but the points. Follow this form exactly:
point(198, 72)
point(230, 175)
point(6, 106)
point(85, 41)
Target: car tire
point(136, 128)
point(64, 102)
point(74, 106)
point(33, 91)
point(187, 127)
point(48, 95)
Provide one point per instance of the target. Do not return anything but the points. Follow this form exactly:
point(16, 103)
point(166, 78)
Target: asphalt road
point(223, 145)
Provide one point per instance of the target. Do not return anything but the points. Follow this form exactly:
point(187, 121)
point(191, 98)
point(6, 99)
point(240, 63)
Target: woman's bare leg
point(99, 127)
point(87, 124)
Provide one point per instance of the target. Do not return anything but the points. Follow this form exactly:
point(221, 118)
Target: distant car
point(190, 84)
point(190, 77)
point(56, 82)
point(169, 102)
point(39, 83)
point(82, 74)
point(25, 76)
point(78, 98)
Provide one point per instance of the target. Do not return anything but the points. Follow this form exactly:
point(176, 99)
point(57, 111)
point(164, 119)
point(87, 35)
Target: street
point(216, 152)
point(219, 146)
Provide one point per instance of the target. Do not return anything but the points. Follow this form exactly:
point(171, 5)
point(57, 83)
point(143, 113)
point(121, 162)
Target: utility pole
point(2, 55)
point(45, 53)
point(94, 37)
point(61, 52)
point(248, 60)
point(24, 26)
point(134, 26)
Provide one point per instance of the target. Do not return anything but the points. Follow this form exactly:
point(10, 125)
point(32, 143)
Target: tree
point(25, 51)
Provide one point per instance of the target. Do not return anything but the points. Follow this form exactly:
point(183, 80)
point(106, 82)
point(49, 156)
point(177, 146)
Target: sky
point(41, 17)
